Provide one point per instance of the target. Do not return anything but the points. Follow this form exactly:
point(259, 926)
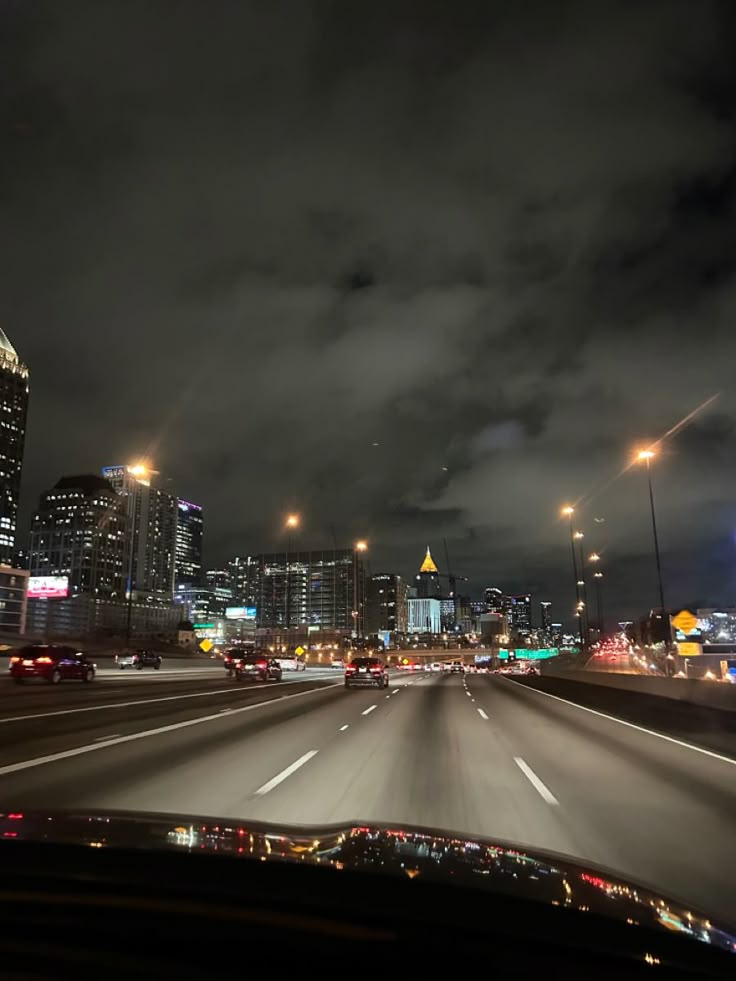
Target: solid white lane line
point(112, 735)
point(369, 710)
point(343, 728)
point(395, 691)
point(534, 780)
point(149, 701)
point(280, 777)
point(630, 725)
point(388, 696)
point(119, 740)
point(482, 714)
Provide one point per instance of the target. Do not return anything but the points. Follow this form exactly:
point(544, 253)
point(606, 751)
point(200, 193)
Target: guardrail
point(712, 694)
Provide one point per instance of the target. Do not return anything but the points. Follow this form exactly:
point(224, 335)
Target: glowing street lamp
point(292, 521)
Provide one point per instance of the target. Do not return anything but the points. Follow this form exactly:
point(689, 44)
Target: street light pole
point(360, 547)
point(598, 576)
point(585, 622)
point(647, 455)
point(132, 565)
point(568, 512)
point(292, 521)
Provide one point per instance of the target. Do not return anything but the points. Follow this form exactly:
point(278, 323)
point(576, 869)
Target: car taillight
point(44, 660)
point(14, 659)
point(263, 664)
point(350, 669)
point(376, 670)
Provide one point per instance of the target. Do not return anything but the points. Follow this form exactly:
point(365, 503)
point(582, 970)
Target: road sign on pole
point(685, 621)
point(206, 645)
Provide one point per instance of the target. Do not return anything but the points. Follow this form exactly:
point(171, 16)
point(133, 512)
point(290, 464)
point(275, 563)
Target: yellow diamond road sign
point(206, 645)
point(299, 651)
point(685, 621)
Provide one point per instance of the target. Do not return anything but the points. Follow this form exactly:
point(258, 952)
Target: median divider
point(712, 694)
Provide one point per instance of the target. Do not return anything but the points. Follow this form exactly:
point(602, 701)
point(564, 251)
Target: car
point(338, 662)
point(138, 660)
point(292, 663)
point(53, 663)
point(366, 672)
point(457, 667)
point(229, 658)
point(258, 666)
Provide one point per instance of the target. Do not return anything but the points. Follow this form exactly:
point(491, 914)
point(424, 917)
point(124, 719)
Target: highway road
point(476, 754)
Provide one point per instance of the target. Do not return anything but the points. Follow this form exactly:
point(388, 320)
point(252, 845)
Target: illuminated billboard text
point(48, 587)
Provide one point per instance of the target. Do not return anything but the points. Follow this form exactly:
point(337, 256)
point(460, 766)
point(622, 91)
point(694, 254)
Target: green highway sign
point(527, 654)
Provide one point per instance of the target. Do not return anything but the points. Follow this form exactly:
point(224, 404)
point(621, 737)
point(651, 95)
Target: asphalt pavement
point(476, 755)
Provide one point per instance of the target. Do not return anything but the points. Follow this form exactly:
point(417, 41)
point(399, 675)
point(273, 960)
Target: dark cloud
point(256, 239)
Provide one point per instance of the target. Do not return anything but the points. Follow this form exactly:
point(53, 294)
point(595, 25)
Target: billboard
point(111, 472)
point(240, 613)
point(48, 587)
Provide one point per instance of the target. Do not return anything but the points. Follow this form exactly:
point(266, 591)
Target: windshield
point(392, 337)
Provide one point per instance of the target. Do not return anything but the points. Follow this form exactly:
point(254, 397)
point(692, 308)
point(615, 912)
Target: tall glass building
point(13, 410)
point(189, 532)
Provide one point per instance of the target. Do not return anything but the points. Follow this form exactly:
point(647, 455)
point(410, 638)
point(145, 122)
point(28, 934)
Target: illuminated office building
point(13, 411)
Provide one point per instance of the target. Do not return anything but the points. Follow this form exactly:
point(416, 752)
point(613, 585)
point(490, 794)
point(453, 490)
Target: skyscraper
point(152, 516)
point(14, 408)
point(189, 532)
point(78, 531)
point(428, 582)
point(521, 615)
point(386, 604)
point(495, 600)
point(244, 579)
point(546, 619)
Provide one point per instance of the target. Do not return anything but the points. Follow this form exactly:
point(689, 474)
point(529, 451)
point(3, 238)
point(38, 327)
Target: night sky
point(417, 270)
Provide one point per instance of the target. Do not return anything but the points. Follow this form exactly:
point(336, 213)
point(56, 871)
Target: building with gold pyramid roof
point(428, 580)
point(429, 564)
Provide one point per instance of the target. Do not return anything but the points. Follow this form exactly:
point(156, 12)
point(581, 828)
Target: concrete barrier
point(713, 694)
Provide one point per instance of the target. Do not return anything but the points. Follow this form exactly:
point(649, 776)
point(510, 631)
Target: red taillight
point(44, 660)
point(15, 817)
point(350, 669)
point(376, 670)
point(14, 659)
point(263, 664)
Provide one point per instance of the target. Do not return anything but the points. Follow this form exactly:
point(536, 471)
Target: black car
point(139, 660)
point(52, 662)
point(368, 672)
point(257, 667)
point(358, 888)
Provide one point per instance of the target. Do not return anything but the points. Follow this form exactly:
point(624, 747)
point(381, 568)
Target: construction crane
point(452, 579)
